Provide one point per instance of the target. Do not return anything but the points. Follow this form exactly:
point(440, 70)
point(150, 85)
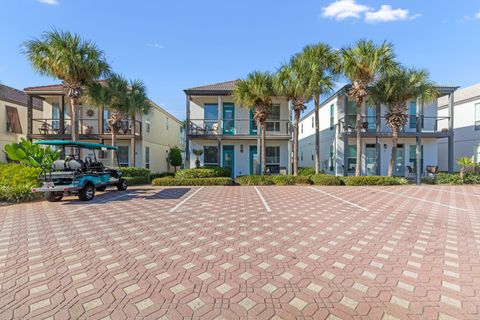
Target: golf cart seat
point(74, 165)
point(58, 165)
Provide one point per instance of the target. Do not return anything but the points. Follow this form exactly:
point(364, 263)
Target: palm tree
point(256, 92)
point(364, 64)
point(395, 90)
point(324, 64)
point(292, 82)
point(73, 60)
point(123, 98)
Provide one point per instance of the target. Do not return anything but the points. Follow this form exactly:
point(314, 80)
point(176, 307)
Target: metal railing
point(234, 127)
point(86, 126)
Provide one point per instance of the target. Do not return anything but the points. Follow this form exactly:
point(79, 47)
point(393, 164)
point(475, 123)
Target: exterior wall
point(466, 138)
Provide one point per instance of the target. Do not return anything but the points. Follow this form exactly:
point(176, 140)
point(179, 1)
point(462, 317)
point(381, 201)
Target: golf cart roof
point(68, 143)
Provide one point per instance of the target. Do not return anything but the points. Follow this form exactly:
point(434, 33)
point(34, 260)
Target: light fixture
point(241, 148)
point(384, 146)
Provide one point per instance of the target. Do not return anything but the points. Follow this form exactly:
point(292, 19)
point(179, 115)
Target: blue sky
point(173, 45)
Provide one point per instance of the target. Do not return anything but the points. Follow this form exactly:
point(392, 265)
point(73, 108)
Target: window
point(13, 120)
point(313, 156)
point(412, 114)
point(332, 158)
point(147, 157)
point(273, 159)
point(147, 123)
point(477, 154)
point(413, 158)
point(301, 128)
point(123, 156)
point(210, 156)
point(477, 116)
point(352, 114)
point(55, 115)
point(166, 123)
point(210, 114)
point(273, 119)
point(371, 118)
point(313, 121)
point(301, 156)
point(332, 120)
point(352, 159)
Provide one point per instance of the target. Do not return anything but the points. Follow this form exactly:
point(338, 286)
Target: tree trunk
point(462, 172)
point(358, 128)
point(114, 143)
point(317, 134)
point(393, 156)
point(296, 120)
point(264, 156)
point(74, 118)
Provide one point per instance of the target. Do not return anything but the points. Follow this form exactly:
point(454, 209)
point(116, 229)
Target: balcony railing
point(88, 127)
point(236, 127)
point(429, 124)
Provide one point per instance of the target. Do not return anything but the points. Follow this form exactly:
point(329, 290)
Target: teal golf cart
point(82, 172)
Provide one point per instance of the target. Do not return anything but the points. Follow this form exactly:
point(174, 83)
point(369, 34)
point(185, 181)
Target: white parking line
point(456, 192)
point(185, 200)
point(420, 199)
point(338, 198)
point(99, 202)
point(265, 204)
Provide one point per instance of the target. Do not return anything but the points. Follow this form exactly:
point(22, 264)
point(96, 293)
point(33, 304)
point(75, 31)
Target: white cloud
point(386, 14)
point(49, 2)
point(478, 15)
point(155, 45)
point(342, 9)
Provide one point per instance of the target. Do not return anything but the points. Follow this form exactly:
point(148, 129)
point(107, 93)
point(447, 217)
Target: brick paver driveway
point(236, 252)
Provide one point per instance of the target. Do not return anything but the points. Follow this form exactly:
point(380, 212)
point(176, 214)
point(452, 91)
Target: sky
point(174, 45)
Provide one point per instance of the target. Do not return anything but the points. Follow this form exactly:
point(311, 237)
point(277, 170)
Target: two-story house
point(338, 137)
point(466, 125)
point(228, 135)
point(13, 116)
point(143, 141)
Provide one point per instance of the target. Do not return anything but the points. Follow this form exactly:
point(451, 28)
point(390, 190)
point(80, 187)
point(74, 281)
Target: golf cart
point(81, 177)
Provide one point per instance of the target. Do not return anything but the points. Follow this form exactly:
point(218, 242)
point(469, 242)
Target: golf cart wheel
point(122, 185)
point(102, 188)
point(87, 193)
point(53, 196)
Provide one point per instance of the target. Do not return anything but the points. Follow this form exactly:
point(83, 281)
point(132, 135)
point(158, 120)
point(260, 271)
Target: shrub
point(134, 171)
point(448, 178)
point(17, 181)
point(137, 180)
point(175, 157)
point(306, 171)
point(471, 178)
point(211, 172)
point(256, 180)
point(283, 180)
point(302, 180)
point(326, 180)
point(161, 175)
point(169, 181)
point(373, 181)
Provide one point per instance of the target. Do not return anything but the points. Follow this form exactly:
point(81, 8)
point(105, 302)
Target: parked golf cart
point(80, 177)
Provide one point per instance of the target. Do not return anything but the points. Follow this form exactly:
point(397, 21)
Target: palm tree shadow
point(168, 194)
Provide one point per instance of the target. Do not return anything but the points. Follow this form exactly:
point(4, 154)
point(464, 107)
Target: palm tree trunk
point(358, 129)
point(317, 133)
point(73, 118)
point(264, 156)
point(296, 120)
point(114, 143)
point(393, 156)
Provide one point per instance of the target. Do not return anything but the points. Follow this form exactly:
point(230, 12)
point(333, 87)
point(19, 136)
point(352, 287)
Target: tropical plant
point(71, 59)
point(123, 98)
point(175, 157)
point(292, 82)
point(32, 155)
point(256, 91)
point(363, 65)
point(323, 68)
point(197, 153)
point(465, 163)
point(395, 90)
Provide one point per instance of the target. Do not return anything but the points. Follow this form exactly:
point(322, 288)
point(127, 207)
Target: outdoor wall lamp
point(385, 146)
point(241, 148)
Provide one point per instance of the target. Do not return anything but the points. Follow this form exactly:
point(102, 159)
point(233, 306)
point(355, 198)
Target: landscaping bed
point(17, 181)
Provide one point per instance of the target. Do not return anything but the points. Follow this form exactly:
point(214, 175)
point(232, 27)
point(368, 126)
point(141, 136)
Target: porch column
point(132, 153)
point(220, 115)
point(345, 135)
point(289, 147)
point(451, 102)
point(219, 147)
point(418, 173)
point(62, 115)
point(259, 151)
point(378, 146)
point(30, 117)
point(187, 133)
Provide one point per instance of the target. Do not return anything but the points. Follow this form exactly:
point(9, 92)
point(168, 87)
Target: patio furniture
point(431, 170)
point(411, 173)
point(44, 128)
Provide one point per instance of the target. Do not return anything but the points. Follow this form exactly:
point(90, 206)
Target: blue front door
point(228, 156)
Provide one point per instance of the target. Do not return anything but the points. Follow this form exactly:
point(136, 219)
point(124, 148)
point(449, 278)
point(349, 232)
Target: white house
point(227, 134)
point(466, 125)
point(338, 137)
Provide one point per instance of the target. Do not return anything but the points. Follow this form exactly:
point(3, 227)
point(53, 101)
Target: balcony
point(88, 128)
point(236, 128)
point(430, 126)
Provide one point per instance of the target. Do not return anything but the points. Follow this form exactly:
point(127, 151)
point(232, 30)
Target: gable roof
point(51, 88)
point(16, 96)
point(462, 95)
point(220, 88)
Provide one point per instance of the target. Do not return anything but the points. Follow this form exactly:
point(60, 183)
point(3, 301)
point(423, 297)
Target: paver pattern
point(389, 253)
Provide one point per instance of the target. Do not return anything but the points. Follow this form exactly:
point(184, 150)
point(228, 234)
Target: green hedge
point(139, 180)
point(17, 181)
point(211, 172)
point(471, 178)
point(168, 181)
point(452, 178)
point(373, 181)
point(255, 180)
point(134, 171)
point(306, 171)
point(326, 180)
point(161, 175)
